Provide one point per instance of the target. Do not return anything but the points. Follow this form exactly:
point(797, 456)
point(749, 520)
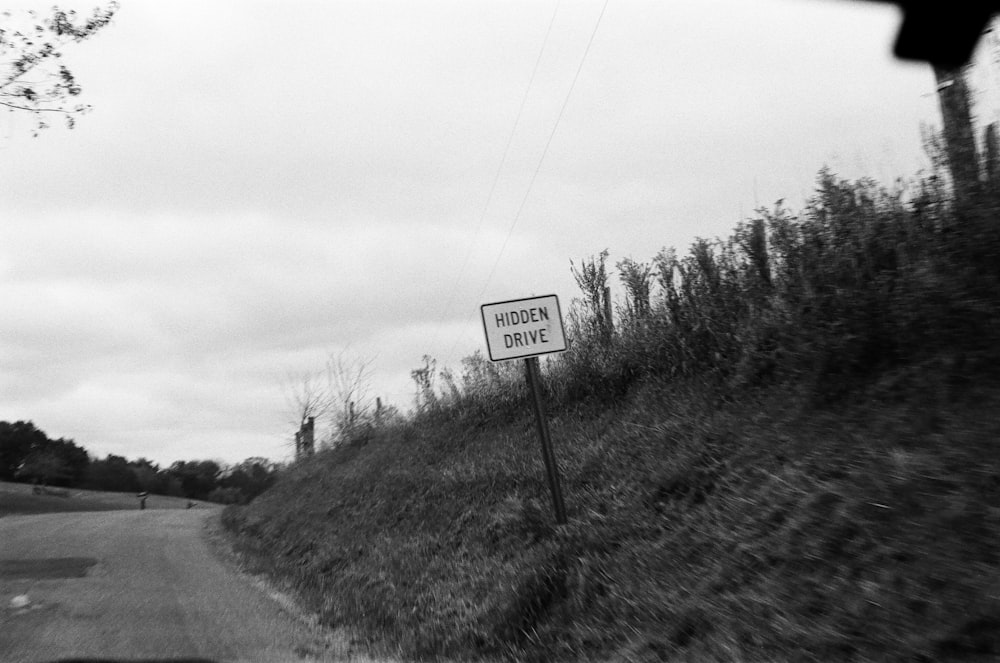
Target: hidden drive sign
point(522, 328)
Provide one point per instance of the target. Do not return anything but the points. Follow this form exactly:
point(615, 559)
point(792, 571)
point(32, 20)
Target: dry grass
point(779, 455)
point(765, 531)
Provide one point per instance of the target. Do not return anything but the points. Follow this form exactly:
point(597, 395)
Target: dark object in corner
point(941, 33)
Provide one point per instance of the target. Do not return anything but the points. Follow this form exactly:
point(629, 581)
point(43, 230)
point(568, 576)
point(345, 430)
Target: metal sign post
point(526, 328)
point(551, 469)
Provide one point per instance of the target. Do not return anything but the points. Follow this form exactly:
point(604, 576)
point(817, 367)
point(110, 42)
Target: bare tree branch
point(41, 110)
point(349, 381)
point(36, 47)
point(306, 395)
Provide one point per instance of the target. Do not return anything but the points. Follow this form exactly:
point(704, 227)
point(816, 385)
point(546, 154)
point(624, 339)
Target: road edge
point(337, 642)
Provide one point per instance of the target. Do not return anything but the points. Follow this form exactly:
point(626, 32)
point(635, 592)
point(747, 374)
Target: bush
point(227, 496)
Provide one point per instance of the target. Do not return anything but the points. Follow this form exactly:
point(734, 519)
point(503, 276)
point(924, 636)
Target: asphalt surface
point(141, 585)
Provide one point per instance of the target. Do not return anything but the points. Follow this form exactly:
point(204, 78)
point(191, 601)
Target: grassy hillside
point(781, 448)
point(759, 531)
point(20, 499)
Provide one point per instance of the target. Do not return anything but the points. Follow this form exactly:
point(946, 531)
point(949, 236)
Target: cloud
point(261, 185)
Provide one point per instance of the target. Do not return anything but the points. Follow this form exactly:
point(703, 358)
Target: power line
point(496, 177)
point(534, 176)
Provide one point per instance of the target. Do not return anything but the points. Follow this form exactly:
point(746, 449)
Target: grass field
point(20, 499)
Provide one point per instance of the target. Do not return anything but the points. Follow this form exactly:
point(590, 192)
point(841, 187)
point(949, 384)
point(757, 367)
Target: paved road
point(141, 585)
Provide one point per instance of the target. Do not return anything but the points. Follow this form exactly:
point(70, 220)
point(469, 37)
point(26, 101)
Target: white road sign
point(523, 328)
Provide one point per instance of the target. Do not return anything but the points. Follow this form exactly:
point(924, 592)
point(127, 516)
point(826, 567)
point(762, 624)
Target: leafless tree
point(348, 380)
point(306, 395)
point(32, 78)
point(338, 397)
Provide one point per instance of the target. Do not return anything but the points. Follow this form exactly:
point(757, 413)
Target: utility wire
point(534, 176)
point(496, 176)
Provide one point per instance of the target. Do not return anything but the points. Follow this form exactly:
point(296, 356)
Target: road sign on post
point(524, 329)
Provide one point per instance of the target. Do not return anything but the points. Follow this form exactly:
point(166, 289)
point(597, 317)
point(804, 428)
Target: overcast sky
point(262, 184)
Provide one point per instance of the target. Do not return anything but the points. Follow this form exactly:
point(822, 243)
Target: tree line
point(28, 455)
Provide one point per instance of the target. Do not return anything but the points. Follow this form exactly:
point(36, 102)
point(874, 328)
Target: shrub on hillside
point(863, 280)
point(227, 496)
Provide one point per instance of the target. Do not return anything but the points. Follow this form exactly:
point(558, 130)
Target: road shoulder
point(325, 642)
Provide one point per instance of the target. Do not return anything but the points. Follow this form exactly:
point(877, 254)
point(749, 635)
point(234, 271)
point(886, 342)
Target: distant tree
point(32, 79)
point(250, 478)
point(44, 466)
point(73, 457)
point(198, 477)
point(148, 476)
point(227, 496)
point(113, 473)
point(53, 462)
point(16, 440)
point(174, 488)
